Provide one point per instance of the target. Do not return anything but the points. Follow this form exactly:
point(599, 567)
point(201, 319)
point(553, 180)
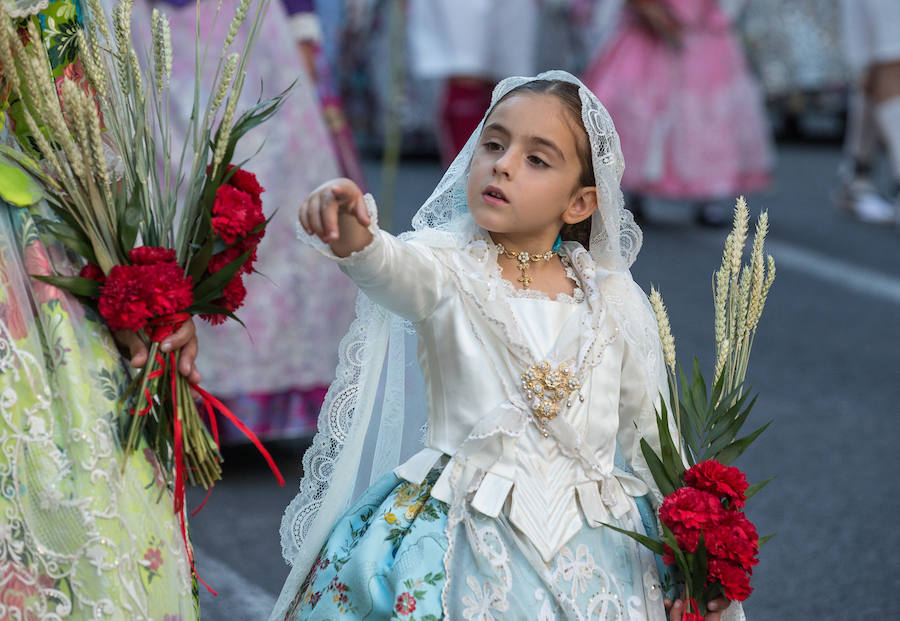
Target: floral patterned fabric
point(385, 560)
point(87, 532)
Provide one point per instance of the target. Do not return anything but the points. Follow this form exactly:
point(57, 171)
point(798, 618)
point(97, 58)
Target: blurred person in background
point(469, 45)
point(275, 385)
point(872, 43)
point(307, 29)
point(690, 115)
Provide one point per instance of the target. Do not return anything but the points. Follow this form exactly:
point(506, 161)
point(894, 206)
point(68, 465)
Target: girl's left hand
point(183, 339)
point(716, 608)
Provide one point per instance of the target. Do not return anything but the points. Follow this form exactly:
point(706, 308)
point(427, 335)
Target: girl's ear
point(582, 205)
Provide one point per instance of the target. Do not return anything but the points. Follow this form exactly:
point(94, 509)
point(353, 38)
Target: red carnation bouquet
point(166, 233)
point(153, 295)
point(705, 534)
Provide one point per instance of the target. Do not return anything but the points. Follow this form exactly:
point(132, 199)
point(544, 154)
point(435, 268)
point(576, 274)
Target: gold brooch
point(546, 389)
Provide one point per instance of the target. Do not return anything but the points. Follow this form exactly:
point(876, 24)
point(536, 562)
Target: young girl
point(541, 366)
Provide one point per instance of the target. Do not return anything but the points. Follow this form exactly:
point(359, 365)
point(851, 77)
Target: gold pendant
point(523, 259)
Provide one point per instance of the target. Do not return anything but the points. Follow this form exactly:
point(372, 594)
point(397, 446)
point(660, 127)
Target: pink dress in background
point(691, 121)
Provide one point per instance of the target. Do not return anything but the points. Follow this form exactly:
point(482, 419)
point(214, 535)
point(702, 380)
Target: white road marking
point(822, 267)
point(237, 598)
point(838, 272)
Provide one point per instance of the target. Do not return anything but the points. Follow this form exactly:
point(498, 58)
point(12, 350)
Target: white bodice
point(476, 337)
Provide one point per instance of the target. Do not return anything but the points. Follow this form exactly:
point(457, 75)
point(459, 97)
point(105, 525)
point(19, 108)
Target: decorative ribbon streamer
point(159, 329)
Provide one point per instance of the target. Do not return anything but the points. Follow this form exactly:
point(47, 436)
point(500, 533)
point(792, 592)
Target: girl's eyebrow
point(497, 127)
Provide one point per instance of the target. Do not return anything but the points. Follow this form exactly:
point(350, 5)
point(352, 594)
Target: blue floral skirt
point(384, 557)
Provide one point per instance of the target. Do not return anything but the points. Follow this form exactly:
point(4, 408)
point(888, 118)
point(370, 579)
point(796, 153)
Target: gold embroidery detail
point(546, 389)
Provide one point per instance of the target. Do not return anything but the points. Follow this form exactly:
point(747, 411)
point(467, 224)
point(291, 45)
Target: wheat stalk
point(668, 347)
point(739, 297)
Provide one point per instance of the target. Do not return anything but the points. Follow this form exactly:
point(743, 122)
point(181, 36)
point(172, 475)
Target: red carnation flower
point(234, 294)
point(134, 294)
point(687, 538)
point(168, 289)
point(246, 181)
point(92, 272)
point(723, 481)
point(149, 255)
point(734, 539)
point(691, 508)
point(734, 580)
point(668, 556)
point(122, 302)
point(221, 259)
point(235, 214)
point(232, 299)
point(692, 616)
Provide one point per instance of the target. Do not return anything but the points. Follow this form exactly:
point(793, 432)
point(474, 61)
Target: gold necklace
point(523, 259)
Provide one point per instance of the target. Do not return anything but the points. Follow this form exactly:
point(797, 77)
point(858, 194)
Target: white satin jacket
point(477, 335)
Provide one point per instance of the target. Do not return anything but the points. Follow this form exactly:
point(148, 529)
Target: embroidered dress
point(86, 532)
point(534, 540)
point(384, 560)
point(691, 120)
point(275, 385)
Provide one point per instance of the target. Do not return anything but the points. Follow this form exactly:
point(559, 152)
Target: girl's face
point(524, 172)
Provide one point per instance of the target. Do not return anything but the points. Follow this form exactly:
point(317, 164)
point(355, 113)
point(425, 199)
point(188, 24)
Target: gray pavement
point(825, 363)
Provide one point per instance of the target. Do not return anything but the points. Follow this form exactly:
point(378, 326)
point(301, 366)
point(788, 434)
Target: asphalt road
point(825, 363)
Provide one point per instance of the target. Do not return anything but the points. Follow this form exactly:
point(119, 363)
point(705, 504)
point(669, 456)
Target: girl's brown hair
point(568, 94)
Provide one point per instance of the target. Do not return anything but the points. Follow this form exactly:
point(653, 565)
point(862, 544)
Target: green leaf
point(29, 164)
point(726, 432)
point(698, 383)
point(733, 420)
point(129, 223)
point(648, 542)
point(668, 449)
point(717, 388)
point(660, 476)
point(678, 552)
point(734, 450)
point(753, 489)
point(17, 187)
point(765, 540)
point(700, 567)
point(253, 117)
point(75, 284)
point(200, 261)
point(211, 287)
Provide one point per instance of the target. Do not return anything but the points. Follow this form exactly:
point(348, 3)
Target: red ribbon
point(691, 603)
point(211, 402)
point(159, 329)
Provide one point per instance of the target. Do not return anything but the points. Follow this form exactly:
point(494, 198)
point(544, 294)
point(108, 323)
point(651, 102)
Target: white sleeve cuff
point(325, 250)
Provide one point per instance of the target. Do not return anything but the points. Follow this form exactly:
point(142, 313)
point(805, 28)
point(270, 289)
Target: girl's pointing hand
point(325, 211)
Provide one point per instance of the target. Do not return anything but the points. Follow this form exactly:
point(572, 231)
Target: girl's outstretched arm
point(336, 213)
point(404, 277)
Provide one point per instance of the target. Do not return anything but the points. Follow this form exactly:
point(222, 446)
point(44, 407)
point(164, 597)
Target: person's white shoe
point(860, 200)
